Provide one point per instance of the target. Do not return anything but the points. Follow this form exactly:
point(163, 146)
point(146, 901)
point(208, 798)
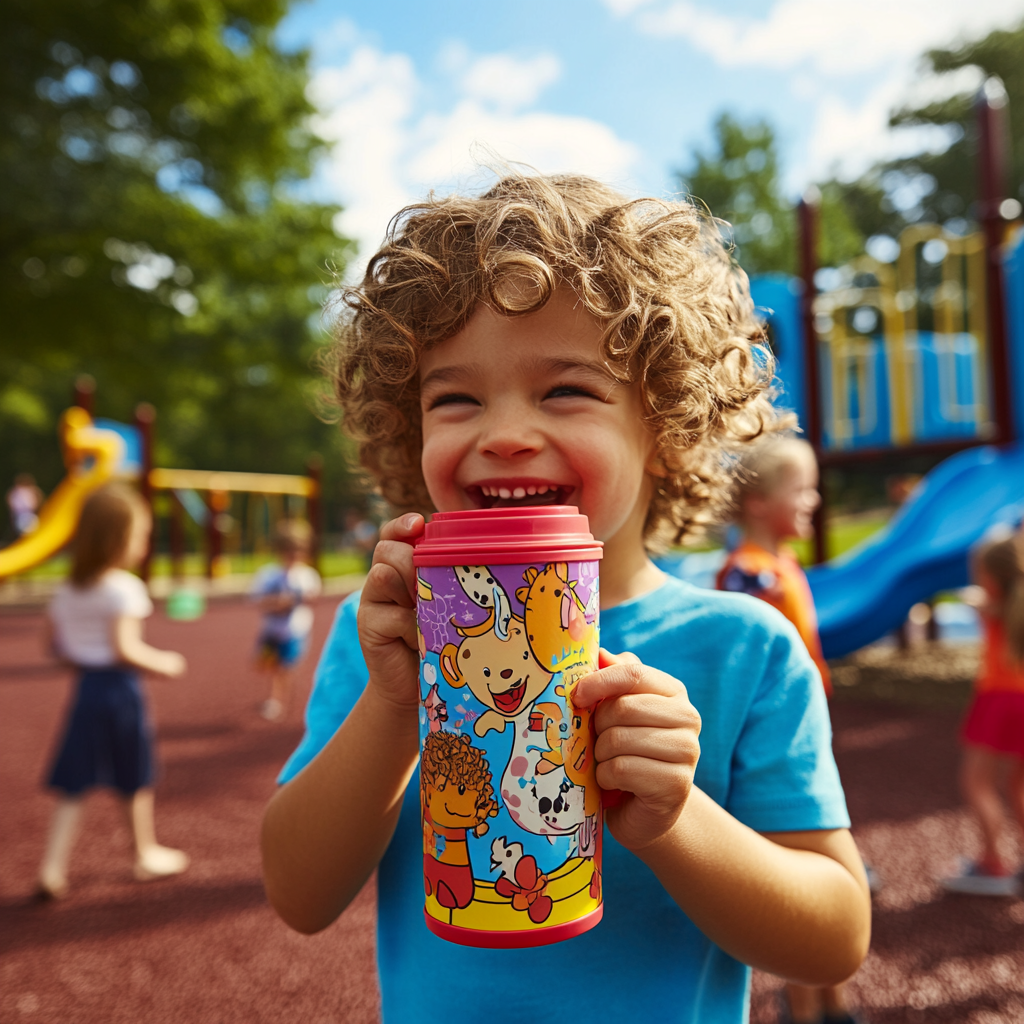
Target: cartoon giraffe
point(562, 630)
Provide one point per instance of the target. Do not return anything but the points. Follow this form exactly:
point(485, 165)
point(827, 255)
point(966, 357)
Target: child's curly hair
point(676, 312)
point(452, 755)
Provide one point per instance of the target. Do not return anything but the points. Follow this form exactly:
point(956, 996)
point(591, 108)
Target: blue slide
point(924, 548)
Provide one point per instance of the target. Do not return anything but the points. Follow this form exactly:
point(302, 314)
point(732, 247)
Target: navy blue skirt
point(108, 741)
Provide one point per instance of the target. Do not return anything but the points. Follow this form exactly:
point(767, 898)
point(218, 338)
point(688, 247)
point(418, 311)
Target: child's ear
point(655, 465)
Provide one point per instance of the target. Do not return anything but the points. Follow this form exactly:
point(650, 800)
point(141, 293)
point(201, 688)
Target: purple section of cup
point(436, 617)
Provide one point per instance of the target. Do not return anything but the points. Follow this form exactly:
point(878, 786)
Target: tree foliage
point(739, 182)
point(942, 186)
point(158, 229)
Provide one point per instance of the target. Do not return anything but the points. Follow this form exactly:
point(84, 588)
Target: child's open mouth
point(508, 701)
point(518, 495)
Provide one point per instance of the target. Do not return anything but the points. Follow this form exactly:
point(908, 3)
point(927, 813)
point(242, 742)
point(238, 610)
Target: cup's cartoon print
point(511, 807)
point(562, 630)
point(499, 671)
point(457, 798)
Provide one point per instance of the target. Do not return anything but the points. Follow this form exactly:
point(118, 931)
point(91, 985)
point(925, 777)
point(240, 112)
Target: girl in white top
point(95, 624)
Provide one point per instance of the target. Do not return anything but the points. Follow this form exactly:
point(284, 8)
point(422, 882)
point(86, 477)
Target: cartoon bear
point(501, 673)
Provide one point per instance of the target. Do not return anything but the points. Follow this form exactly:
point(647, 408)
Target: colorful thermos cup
point(507, 610)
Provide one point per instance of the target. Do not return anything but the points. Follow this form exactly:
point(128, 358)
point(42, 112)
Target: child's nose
point(506, 673)
point(509, 435)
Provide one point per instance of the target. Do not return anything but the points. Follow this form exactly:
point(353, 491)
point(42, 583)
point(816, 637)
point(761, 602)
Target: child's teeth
point(543, 489)
point(531, 489)
point(519, 492)
point(504, 492)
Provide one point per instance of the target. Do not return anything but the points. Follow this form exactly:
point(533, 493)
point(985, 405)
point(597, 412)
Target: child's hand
point(646, 745)
point(172, 664)
point(387, 613)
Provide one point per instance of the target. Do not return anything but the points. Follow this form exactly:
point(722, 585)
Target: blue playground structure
point(924, 355)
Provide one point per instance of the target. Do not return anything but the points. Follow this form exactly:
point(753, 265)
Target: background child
point(777, 495)
point(551, 342)
point(283, 591)
point(96, 625)
point(993, 731)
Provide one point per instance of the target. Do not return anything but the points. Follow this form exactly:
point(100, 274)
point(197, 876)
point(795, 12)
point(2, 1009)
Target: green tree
point(158, 229)
point(942, 186)
point(739, 182)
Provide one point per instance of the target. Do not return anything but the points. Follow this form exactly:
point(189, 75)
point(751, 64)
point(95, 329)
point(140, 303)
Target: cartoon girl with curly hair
point(457, 796)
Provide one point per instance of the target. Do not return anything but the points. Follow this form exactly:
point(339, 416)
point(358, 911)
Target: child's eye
point(452, 399)
point(569, 391)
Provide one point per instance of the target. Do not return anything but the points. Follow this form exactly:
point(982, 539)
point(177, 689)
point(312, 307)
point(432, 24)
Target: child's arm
point(50, 645)
point(325, 831)
point(131, 649)
point(794, 904)
point(278, 604)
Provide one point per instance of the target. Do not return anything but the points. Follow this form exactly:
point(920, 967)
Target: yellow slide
point(92, 456)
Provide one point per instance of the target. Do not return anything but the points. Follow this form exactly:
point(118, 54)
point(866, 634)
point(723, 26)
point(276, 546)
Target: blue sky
point(415, 96)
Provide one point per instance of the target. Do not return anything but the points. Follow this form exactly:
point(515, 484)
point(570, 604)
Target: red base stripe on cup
point(517, 939)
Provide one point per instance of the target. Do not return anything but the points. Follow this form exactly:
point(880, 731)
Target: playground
point(920, 355)
point(206, 946)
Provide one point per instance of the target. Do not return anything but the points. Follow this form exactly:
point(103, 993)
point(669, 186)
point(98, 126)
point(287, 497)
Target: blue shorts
point(108, 740)
point(274, 653)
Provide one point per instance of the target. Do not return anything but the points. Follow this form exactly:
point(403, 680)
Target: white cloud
point(389, 148)
point(847, 138)
point(836, 37)
point(826, 49)
point(509, 82)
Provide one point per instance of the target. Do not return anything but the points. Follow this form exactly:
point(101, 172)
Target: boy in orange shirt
point(778, 495)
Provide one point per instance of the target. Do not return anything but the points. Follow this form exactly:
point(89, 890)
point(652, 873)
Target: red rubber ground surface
point(205, 947)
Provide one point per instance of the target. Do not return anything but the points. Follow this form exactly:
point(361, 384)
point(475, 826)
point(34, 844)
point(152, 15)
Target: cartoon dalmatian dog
point(482, 588)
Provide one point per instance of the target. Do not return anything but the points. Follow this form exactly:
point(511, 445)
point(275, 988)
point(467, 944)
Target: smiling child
point(553, 342)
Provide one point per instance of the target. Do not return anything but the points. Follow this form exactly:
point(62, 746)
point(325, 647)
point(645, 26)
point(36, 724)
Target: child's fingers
point(605, 658)
point(405, 528)
point(382, 623)
point(392, 578)
point(660, 786)
point(671, 745)
point(622, 678)
point(651, 710)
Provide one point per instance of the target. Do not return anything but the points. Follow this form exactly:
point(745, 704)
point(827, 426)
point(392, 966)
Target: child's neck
point(761, 535)
point(627, 572)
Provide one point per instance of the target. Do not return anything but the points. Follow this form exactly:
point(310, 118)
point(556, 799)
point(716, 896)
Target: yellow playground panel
point(904, 346)
point(95, 454)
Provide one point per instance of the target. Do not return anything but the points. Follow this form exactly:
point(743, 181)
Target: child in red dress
point(993, 731)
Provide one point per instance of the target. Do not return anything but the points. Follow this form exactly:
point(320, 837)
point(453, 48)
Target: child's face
point(138, 541)
point(788, 510)
point(523, 411)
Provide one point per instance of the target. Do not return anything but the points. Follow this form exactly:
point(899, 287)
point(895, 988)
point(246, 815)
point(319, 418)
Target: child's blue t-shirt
point(765, 757)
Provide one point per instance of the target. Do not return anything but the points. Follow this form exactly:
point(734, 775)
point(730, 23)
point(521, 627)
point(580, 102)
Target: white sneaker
point(972, 881)
point(160, 862)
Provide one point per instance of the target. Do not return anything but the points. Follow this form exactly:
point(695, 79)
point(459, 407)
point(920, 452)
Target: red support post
point(991, 110)
point(176, 538)
point(145, 415)
point(85, 392)
point(315, 509)
point(807, 220)
point(217, 504)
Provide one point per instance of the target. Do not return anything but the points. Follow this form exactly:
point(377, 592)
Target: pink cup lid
point(507, 536)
